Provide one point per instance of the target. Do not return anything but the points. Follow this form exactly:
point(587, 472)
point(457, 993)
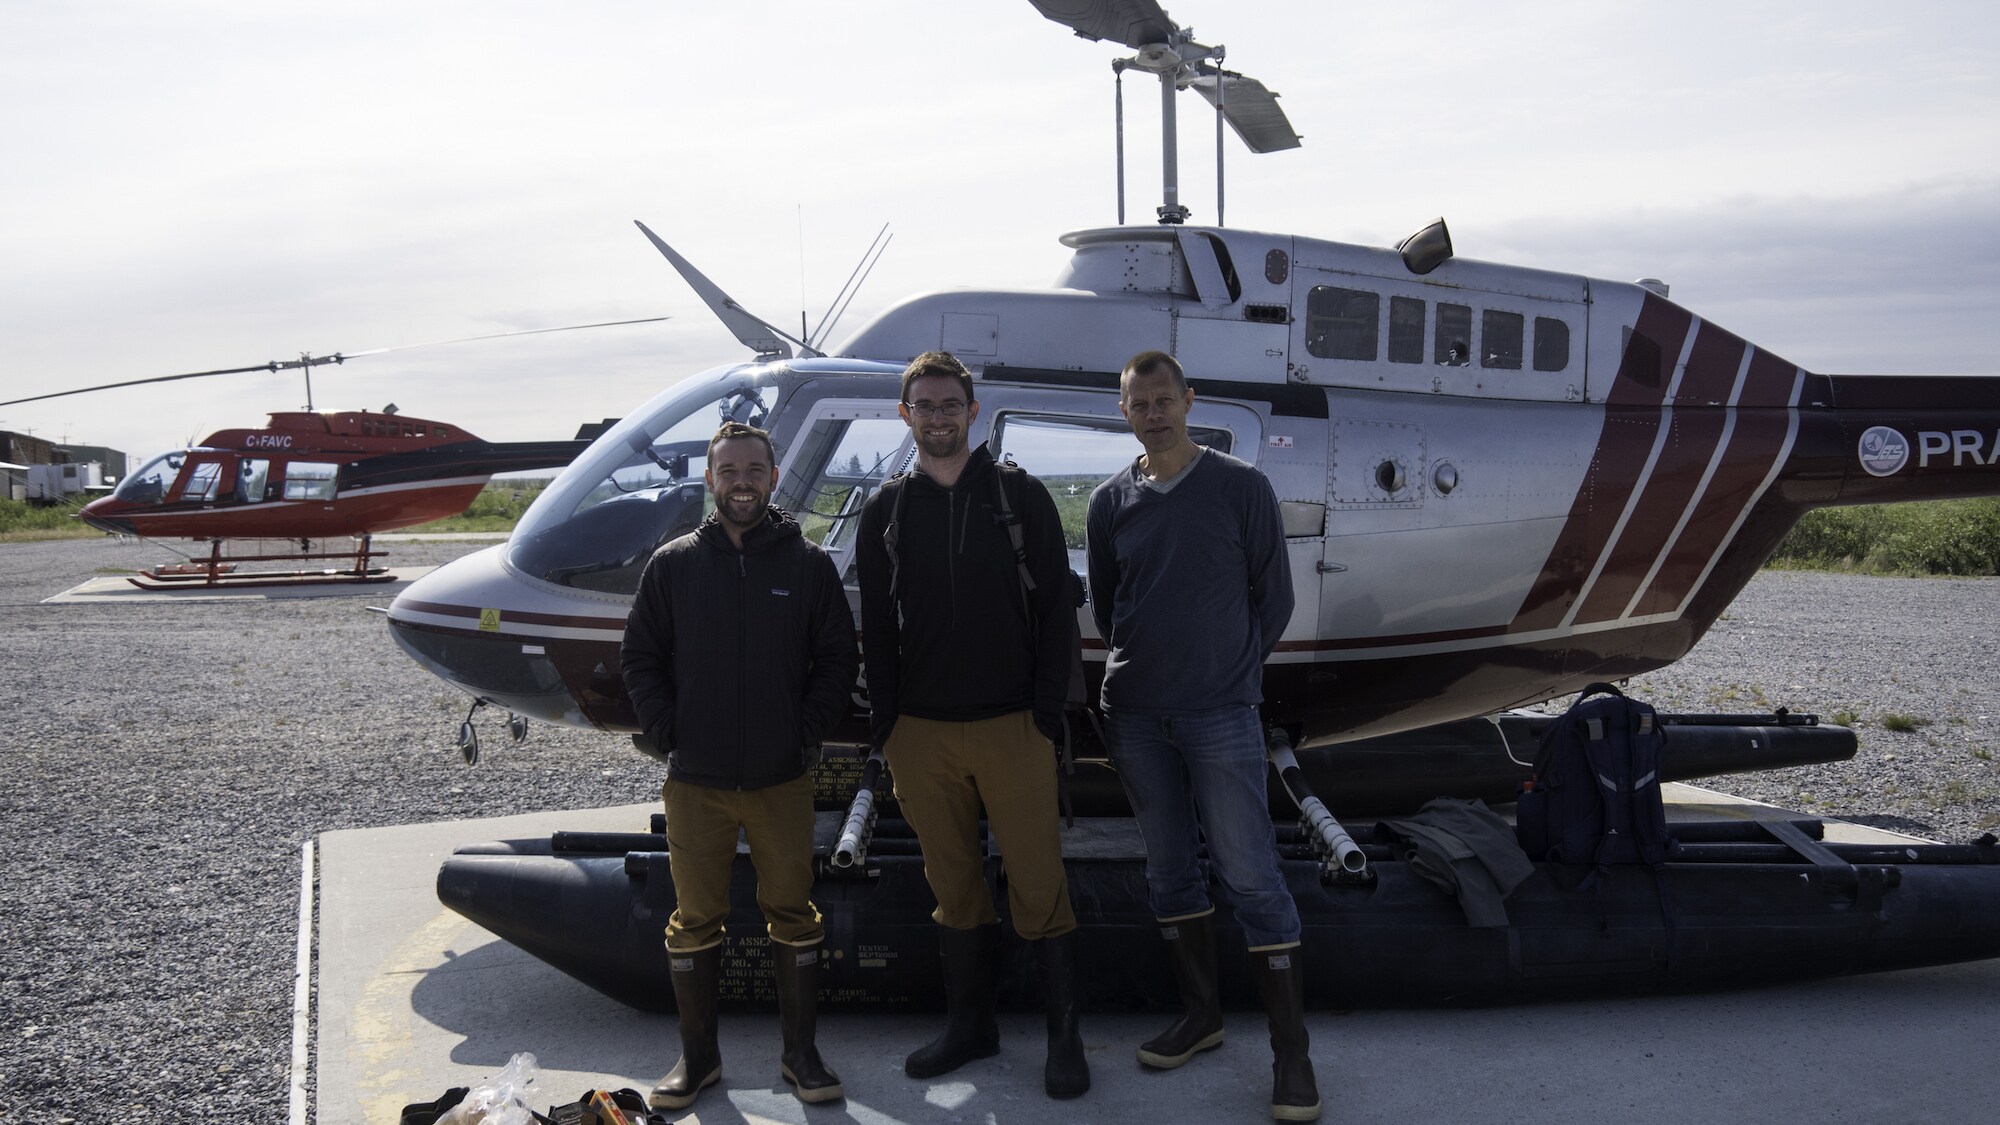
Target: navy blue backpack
point(1595, 800)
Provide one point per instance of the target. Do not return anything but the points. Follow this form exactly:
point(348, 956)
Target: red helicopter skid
point(219, 570)
point(146, 580)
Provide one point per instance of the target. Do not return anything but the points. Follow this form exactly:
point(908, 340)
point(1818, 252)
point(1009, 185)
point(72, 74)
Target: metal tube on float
point(859, 828)
point(1332, 838)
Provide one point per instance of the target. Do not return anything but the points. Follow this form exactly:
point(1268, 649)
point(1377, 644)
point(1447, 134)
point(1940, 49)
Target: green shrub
point(1934, 537)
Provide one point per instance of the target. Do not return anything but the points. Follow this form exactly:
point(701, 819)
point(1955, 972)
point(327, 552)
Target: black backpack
point(1595, 799)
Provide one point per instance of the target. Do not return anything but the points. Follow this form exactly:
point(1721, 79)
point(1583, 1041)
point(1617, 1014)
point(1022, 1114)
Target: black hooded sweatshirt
point(739, 661)
point(968, 645)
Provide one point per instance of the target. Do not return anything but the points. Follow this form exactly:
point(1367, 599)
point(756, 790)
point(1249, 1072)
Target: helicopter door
point(841, 455)
point(202, 480)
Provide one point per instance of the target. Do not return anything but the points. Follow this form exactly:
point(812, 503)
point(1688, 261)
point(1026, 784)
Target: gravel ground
point(165, 763)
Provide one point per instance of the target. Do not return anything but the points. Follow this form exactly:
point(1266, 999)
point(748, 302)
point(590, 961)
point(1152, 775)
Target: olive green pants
point(944, 772)
point(702, 825)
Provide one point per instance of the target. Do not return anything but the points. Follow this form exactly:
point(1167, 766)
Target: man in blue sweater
point(1191, 589)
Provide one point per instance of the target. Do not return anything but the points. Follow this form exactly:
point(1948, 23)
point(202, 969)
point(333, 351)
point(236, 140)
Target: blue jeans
point(1177, 765)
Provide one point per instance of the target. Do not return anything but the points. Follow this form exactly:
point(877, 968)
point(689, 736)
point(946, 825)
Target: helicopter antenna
point(1168, 50)
point(862, 269)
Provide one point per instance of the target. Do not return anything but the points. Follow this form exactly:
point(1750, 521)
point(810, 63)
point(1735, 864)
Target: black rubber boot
point(695, 976)
point(1066, 1074)
point(797, 968)
point(971, 1031)
point(1191, 948)
point(1281, 983)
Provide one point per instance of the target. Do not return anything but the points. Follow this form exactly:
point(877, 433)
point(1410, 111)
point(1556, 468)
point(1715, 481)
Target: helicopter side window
point(1406, 330)
point(1072, 455)
point(1551, 344)
point(1501, 334)
point(1342, 323)
point(253, 477)
point(202, 481)
point(310, 480)
point(840, 463)
point(1453, 347)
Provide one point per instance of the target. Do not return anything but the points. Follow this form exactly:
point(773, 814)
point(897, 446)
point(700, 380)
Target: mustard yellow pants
point(702, 824)
point(944, 771)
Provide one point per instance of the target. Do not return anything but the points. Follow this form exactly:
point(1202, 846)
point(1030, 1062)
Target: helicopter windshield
point(639, 486)
point(149, 483)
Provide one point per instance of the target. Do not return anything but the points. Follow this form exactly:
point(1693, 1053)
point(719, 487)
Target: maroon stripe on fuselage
point(1624, 442)
point(1712, 366)
point(1753, 446)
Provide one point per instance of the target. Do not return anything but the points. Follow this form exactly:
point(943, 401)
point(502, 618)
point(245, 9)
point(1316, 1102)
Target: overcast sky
point(217, 183)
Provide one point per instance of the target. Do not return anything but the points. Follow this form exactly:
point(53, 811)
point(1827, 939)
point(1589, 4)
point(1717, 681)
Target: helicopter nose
point(97, 515)
point(479, 626)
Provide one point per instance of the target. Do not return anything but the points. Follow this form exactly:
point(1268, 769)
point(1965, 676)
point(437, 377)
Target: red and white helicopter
point(1499, 483)
point(309, 476)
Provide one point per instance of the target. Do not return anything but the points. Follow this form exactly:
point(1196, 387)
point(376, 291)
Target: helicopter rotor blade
point(1134, 23)
point(1250, 109)
point(309, 361)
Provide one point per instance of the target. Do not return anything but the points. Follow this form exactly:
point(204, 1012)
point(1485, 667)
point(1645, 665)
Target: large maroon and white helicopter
point(1499, 483)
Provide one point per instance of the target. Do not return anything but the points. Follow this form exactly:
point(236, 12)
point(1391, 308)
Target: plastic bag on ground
point(500, 1100)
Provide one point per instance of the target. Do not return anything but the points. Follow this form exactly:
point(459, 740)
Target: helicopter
point(1499, 484)
point(309, 475)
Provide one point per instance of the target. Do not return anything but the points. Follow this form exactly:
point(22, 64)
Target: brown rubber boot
point(1281, 984)
point(971, 1031)
point(797, 968)
point(1191, 948)
point(695, 976)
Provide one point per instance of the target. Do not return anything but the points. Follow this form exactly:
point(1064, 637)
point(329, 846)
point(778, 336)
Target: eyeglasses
point(927, 410)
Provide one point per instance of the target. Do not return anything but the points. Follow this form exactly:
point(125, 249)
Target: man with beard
point(1190, 588)
point(967, 635)
point(739, 656)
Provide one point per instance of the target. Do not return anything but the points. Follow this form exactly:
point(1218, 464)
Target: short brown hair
point(1154, 363)
point(936, 363)
point(730, 431)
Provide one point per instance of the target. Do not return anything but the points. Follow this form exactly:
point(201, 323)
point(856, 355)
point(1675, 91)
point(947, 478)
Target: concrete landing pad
point(413, 1000)
point(117, 589)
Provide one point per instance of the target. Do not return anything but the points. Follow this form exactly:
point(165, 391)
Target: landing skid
point(218, 571)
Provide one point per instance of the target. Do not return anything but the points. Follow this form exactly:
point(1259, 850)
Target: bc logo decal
point(1883, 451)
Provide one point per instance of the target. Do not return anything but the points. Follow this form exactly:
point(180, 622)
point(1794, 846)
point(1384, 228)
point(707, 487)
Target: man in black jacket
point(739, 656)
point(968, 653)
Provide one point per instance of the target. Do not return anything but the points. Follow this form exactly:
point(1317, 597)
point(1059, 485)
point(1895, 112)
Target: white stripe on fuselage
point(1700, 489)
point(1638, 493)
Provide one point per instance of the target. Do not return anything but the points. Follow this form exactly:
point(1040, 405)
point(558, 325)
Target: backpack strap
point(892, 535)
point(1012, 521)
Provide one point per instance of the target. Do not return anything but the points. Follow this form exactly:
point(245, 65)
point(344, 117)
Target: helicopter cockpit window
point(1500, 340)
point(149, 484)
point(1551, 344)
point(202, 481)
point(1072, 455)
point(1453, 347)
point(1342, 323)
point(310, 480)
point(840, 463)
point(639, 486)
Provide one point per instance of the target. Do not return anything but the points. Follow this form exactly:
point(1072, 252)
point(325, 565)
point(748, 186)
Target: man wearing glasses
point(967, 650)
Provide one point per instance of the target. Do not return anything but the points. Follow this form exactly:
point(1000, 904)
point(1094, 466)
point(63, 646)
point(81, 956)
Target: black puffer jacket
point(738, 661)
